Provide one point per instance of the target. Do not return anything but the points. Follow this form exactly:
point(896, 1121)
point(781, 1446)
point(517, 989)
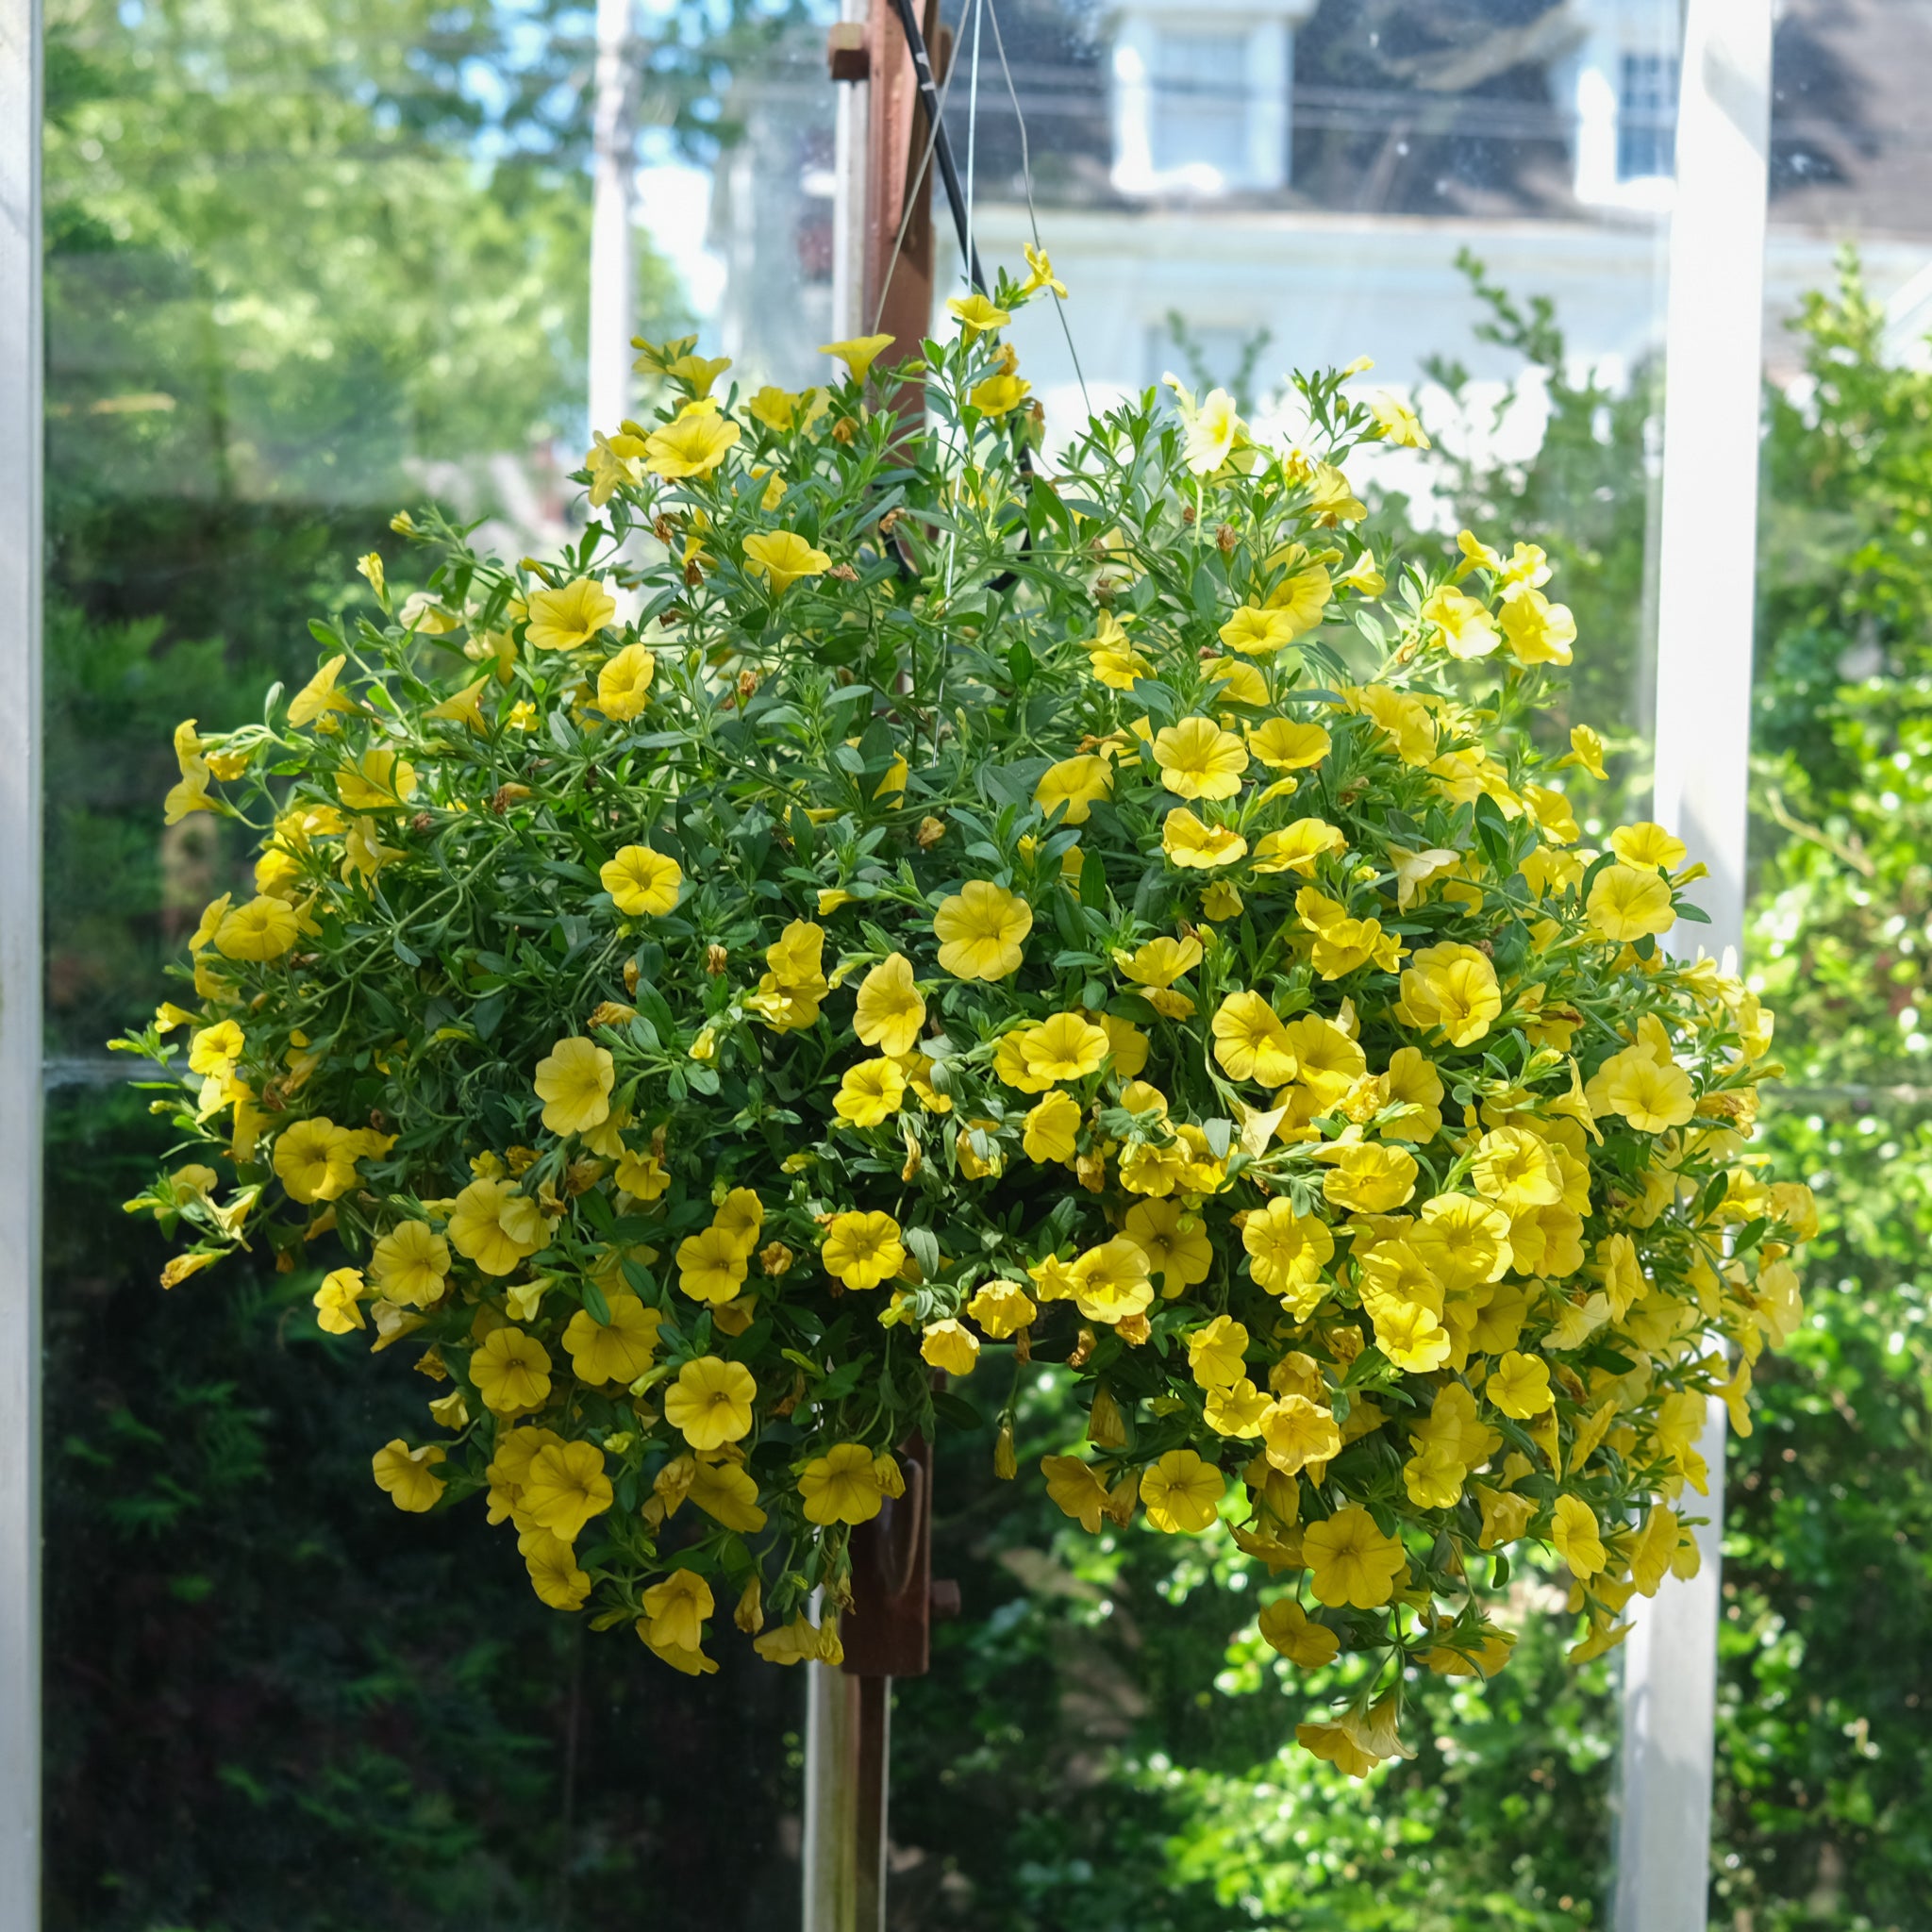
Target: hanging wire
point(932, 136)
point(1027, 184)
point(972, 144)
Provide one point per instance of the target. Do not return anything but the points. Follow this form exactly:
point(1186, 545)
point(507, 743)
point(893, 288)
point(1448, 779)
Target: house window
point(1646, 116)
point(1201, 90)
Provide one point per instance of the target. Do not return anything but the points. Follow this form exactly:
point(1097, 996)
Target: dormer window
point(1200, 95)
point(1647, 117)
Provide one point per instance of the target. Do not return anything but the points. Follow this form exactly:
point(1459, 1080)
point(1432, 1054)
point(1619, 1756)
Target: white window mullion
point(20, 960)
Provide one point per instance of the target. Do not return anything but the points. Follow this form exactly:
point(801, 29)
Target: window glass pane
point(308, 266)
point(1836, 940)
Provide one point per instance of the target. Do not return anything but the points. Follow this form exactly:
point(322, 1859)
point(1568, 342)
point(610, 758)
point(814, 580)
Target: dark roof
point(1446, 107)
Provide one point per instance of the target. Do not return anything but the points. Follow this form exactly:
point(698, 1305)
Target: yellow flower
point(1287, 1253)
point(1003, 1308)
point(1236, 1411)
point(692, 445)
point(1040, 275)
point(711, 1402)
point(1363, 577)
point(623, 683)
point(1651, 1096)
point(1217, 1352)
point(1402, 718)
point(1198, 760)
point(1538, 632)
point(1051, 1128)
point(1299, 847)
point(1411, 1336)
point(1505, 1517)
point(859, 354)
point(841, 1485)
point(1258, 631)
point(1627, 904)
point(1064, 1047)
point(1467, 629)
point(1452, 986)
point(409, 1264)
point(1251, 1044)
point(1368, 1178)
point(573, 1082)
point(564, 1486)
point(408, 1475)
point(315, 1159)
point(1463, 1242)
point(1397, 423)
point(783, 557)
point(1240, 684)
point(1189, 843)
point(563, 619)
point(862, 1249)
point(1073, 783)
point(869, 1092)
point(1297, 1431)
point(643, 884)
point(728, 1492)
point(976, 314)
point(554, 1572)
point(1332, 1744)
point(1350, 1560)
point(1182, 1492)
point(1073, 1485)
point(1648, 848)
point(1111, 1282)
point(377, 781)
point(1519, 1385)
point(1285, 745)
point(318, 696)
point(497, 1225)
point(998, 395)
point(981, 929)
point(511, 1371)
point(1285, 1627)
point(264, 928)
point(711, 1266)
point(1176, 1245)
point(338, 1302)
point(1587, 749)
point(947, 1345)
point(890, 1011)
point(1213, 429)
point(619, 1350)
point(1116, 663)
point(1574, 1532)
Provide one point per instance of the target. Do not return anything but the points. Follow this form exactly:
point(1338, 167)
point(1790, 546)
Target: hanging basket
point(867, 910)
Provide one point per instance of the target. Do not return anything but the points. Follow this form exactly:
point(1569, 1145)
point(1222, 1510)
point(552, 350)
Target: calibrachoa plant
point(875, 911)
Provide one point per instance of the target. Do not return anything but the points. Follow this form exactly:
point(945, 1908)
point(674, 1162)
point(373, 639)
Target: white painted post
point(1706, 568)
point(613, 196)
point(20, 960)
point(852, 144)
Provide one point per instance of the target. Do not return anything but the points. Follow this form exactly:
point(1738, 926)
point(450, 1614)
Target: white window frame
point(20, 960)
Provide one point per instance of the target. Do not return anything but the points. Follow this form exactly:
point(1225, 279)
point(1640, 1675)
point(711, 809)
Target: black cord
point(942, 146)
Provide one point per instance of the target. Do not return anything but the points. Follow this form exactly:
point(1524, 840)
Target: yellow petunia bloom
point(782, 557)
point(565, 618)
point(564, 1486)
point(841, 1485)
point(1074, 784)
point(857, 354)
point(692, 445)
point(1285, 1628)
point(377, 781)
point(619, 1350)
point(1300, 847)
point(947, 1345)
point(1182, 1492)
point(409, 1475)
point(1199, 848)
point(623, 683)
point(411, 1264)
point(1179, 1254)
point(643, 884)
point(1288, 744)
point(1575, 1534)
point(1350, 1560)
point(1111, 1282)
point(1251, 1044)
point(711, 1266)
point(1052, 1128)
point(862, 1249)
point(981, 930)
point(889, 1013)
point(1627, 904)
point(574, 1081)
point(711, 1402)
point(1648, 848)
point(1453, 988)
point(870, 1094)
point(511, 1371)
point(1198, 760)
point(263, 929)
